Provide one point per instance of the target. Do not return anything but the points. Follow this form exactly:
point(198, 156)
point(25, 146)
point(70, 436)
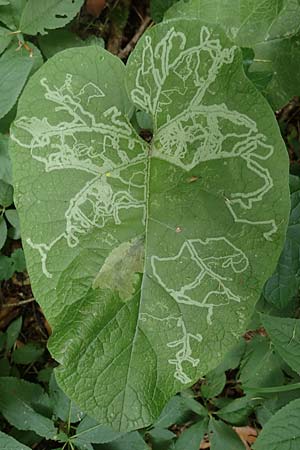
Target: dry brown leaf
point(247, 434)
point(95, 7)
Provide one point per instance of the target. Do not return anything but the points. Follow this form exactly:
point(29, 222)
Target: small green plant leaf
point(176, 410)
point(191, 438)
point(19, 404)
point(89, 431)
point(285, 335)
point(57, 40)
point(15, 67)
point(12, 332)
point(214, 383)
point(63, 407)
point(18, 260)
point(282, 430)
point(223, 437)
point(5, 162)
point(39, 17)
point(284, 283)
point(3, 231)
point(9, 443)
point(27, 354)
point(260, 366)
point(237, 411)
point(6, 194)
point(161, 438)
point(182, 196)
point(130, 441)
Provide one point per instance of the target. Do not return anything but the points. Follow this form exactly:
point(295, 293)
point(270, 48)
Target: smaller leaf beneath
point(27, 354)
point(224, 437)
point(90, 431)
point(9, 443)
point(12, 332)
point(19, 404)
point(6, 193)
point(37, 16)
point(15, 66)
point(3, 232)
point(192, 437)
point(285, 335)
point(282, 430)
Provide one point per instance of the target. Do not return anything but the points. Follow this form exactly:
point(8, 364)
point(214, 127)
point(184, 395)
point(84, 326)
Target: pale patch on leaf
point(121, 268)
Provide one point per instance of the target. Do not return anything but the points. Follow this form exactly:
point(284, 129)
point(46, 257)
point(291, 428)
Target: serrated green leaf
point(57, 40)
point(282, 430)
point(9, 443)
point(130, 441)
point(63, 407)
point(39, 17)
point(285, 336)
point(27, 354)
point(223, 437)
point(19, 404)
point(12, 332)
point(5, 162)
point(214, 383)
point(284, 283)
point(90, 431)
point(160, 438)
point(176, 411)
point(18, 260)
point(260, 366)
point(119, 354)
point(15, 67)
point(13, 218)
point(3, 231)
point(6, 267)
point(237, 411)
point(191, 438)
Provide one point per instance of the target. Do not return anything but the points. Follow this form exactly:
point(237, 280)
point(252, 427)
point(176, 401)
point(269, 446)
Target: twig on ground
point(133, 41)
point(21, 302)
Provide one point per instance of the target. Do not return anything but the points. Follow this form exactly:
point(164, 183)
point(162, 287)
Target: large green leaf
point(270, 27)
point(128, 242)
point(37, 16)
point(282, 430)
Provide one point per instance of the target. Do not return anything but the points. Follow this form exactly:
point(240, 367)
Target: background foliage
point(257, 384)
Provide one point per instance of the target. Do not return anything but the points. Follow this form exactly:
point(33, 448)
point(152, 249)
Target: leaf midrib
point(148, 170)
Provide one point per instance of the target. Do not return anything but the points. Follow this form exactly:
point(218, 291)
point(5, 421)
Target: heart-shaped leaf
point(147, 258)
